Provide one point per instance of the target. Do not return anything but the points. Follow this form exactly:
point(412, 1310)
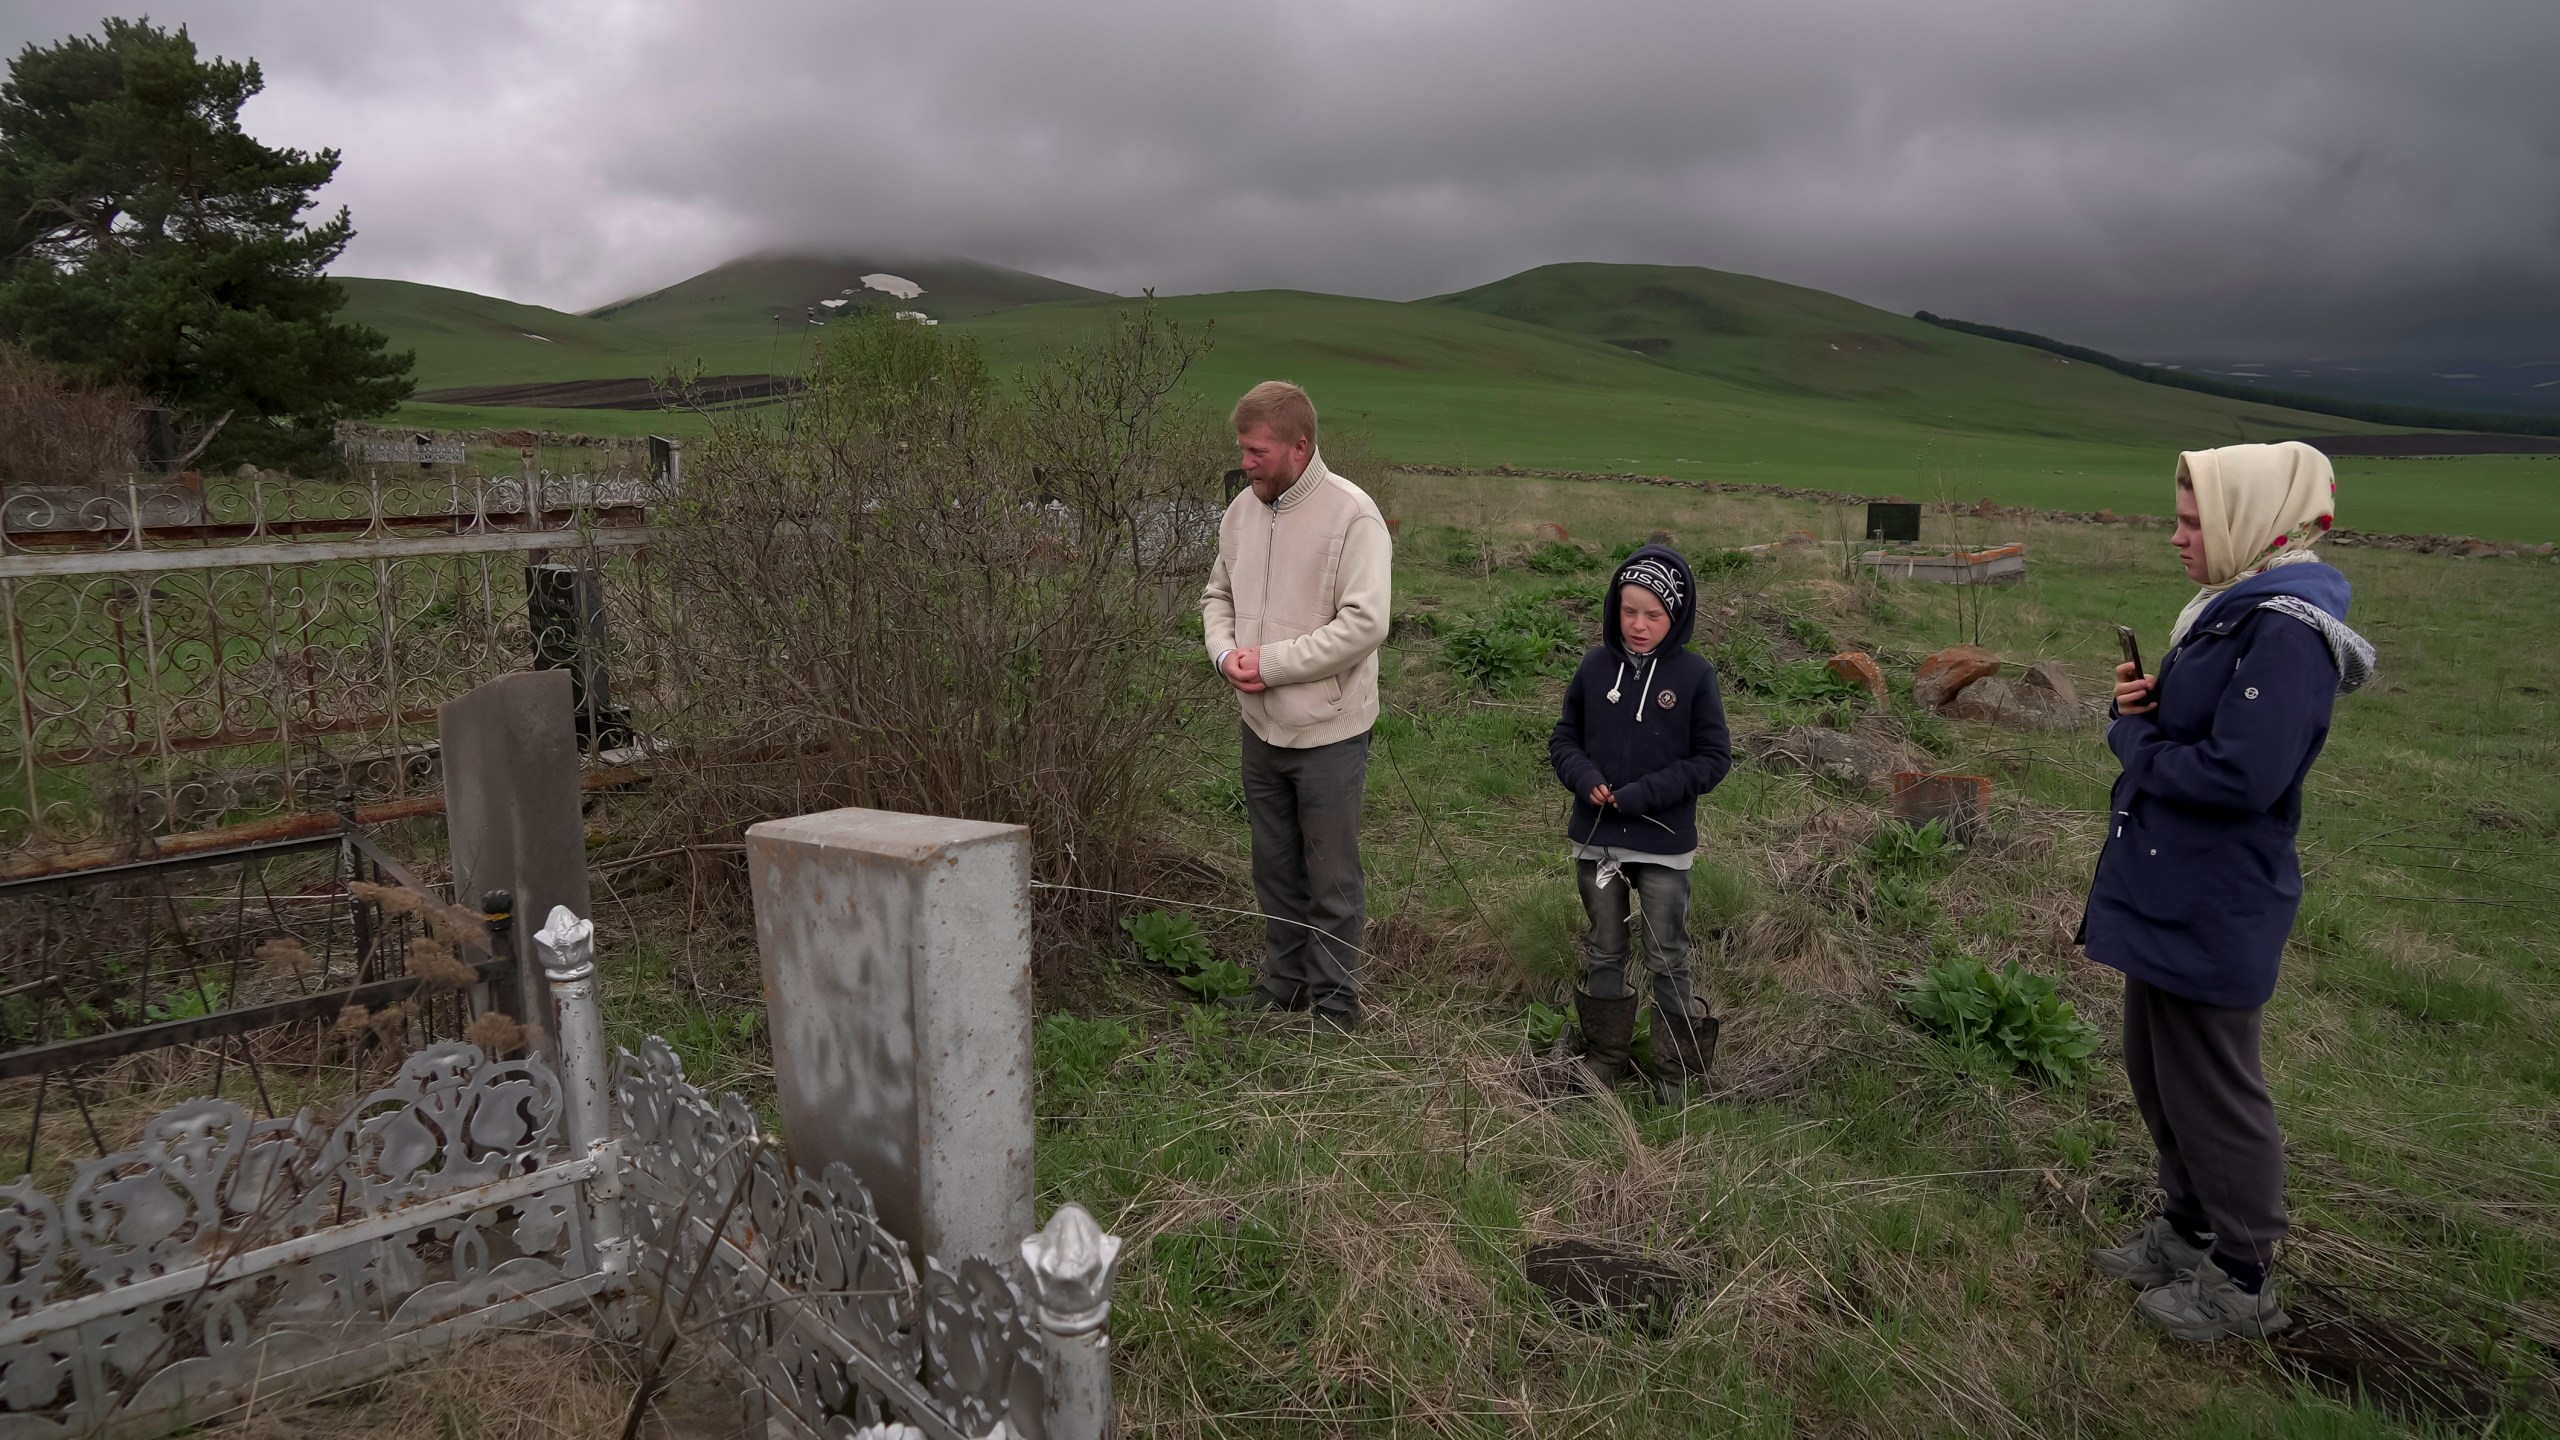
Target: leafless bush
point(56, 430)
point(926, 591)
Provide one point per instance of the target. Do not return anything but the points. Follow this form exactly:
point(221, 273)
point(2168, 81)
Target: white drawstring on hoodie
point(1644, 684)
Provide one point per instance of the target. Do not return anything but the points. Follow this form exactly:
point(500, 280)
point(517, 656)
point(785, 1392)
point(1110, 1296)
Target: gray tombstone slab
point(897, 978)
point(512, 809)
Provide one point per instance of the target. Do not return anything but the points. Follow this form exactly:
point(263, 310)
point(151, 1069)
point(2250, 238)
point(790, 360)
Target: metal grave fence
point(222, 1261)
point(180, 656)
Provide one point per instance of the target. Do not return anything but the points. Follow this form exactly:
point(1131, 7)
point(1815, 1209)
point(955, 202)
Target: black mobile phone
point(2132, 647)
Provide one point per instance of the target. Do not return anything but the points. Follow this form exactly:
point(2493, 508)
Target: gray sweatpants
point(2204, 1099)
point(1304, 809)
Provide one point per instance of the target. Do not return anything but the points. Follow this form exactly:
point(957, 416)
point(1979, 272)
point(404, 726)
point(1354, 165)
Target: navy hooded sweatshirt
point(1650, 727)
point(2198, 884)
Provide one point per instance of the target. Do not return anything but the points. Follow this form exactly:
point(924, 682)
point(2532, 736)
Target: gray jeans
point(1662, 893)
point(2195, 1076)
point(1304, 807)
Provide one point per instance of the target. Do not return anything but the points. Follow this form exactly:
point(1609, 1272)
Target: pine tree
point(147, 240)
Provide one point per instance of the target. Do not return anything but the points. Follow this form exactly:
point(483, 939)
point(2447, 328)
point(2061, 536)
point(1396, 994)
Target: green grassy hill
point(1788, 342)
point(467, 339)
point(1676, 371)
point(722, 320)
point(1453, 383)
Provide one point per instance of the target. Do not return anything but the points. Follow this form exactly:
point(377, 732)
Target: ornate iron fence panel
point(221, 1254)
point(802, 1285)
point(283, 643)
point(222, 1257)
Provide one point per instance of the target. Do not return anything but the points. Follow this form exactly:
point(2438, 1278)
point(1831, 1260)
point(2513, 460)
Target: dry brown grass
point(55, 430)
point(538, 1382)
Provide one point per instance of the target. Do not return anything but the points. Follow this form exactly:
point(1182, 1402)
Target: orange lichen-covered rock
point(1860, 669)
point(1944, 675)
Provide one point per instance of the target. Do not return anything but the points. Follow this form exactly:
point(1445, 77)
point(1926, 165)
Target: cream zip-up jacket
point(1308, 578)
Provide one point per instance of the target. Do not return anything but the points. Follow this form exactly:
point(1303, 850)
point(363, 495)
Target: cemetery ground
point(1873, 1233)
point(1875, 1236)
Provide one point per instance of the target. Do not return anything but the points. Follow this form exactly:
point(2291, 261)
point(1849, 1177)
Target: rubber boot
point(1684, 1050)
point(1608, 1033)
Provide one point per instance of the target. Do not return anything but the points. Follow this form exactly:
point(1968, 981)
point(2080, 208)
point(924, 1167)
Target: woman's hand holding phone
point(2133, 690)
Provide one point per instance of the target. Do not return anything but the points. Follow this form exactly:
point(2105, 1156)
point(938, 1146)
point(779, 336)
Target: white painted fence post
point(1071, 1264)
point(568, 949)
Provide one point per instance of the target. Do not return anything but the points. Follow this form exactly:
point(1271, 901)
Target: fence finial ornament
point(1071, 1262)
point(568, 945)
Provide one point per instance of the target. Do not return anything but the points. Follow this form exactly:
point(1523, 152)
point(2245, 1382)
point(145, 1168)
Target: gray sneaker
point(2206, 1305)
point(2152, 1257)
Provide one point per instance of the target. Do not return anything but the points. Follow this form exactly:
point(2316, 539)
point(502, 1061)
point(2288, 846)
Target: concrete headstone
point(897, 974)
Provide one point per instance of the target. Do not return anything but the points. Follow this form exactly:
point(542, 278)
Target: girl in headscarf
point(2198, 884)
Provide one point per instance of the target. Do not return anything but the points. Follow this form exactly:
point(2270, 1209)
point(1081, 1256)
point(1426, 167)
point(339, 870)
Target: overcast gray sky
point(2296, 176)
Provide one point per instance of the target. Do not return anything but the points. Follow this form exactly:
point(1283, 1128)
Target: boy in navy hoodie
point(1641, 738)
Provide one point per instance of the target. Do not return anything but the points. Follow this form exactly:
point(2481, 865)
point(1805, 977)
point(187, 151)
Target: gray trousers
point(1662, 892)
point(1304, 807)
point(2204, 1099)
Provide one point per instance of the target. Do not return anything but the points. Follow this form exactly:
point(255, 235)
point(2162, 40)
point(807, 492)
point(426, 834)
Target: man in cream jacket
point(1295, 610)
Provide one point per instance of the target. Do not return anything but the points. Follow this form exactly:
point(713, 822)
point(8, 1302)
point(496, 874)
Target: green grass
point(1754, 382)
point(1325, 1238)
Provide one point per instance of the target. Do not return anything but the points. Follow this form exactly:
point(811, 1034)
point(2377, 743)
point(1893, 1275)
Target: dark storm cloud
point(2288, 175)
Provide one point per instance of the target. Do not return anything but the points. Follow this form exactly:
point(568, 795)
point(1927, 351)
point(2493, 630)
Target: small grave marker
point(1889, 521)
point(1962, 803)
point(512, 808)
point(1598, 1280)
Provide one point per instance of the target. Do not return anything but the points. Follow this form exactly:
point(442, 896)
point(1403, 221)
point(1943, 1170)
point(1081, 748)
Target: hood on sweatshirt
point(1657, 568)
point(2315, 594)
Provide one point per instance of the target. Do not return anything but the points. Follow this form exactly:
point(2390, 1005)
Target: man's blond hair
point(1280, 405)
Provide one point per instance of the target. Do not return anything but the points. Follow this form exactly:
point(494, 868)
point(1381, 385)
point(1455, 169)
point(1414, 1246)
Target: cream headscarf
point(2262, 506)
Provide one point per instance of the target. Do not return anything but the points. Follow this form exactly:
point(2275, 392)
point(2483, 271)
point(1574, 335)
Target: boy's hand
point(1244, 669)
point(1600, 794)
point(2133, 690)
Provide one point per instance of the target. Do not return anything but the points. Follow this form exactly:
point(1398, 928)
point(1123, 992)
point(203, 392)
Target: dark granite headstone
point(512, 808)
point(1888, 521)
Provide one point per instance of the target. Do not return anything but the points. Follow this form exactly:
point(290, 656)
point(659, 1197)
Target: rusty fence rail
point(261, 959)
point(177, 656)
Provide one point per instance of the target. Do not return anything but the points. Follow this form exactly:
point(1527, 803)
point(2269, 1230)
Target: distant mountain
point(1662, 370)
point(753, 290)
point(2528, 387)
point(755, 315)
point(462, 338)
point(1787, 340)
point(2257, 385)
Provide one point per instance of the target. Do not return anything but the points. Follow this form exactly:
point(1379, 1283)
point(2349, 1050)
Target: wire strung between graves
point(1191, 904)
